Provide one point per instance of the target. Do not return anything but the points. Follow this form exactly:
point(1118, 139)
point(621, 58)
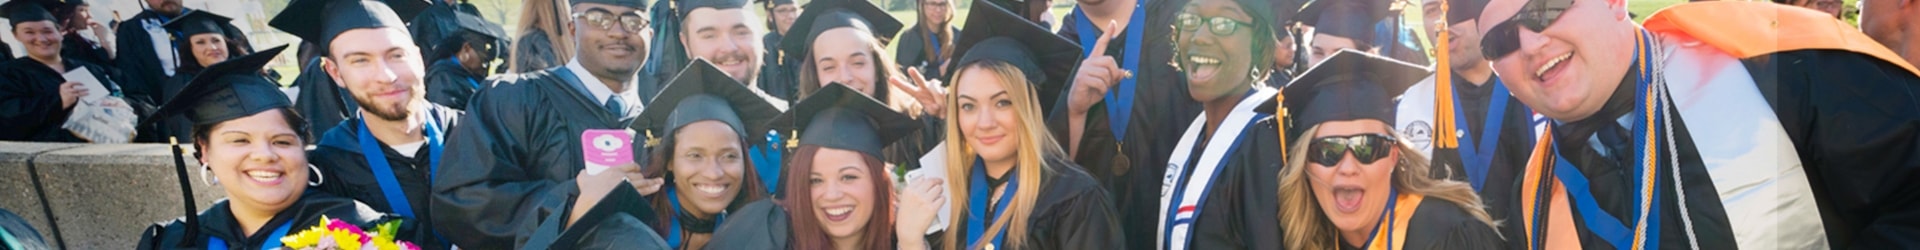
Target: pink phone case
point(604, 148)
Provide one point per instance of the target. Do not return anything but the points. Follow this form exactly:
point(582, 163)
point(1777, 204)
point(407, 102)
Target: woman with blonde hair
point(1352, 183)
point(1011, 184)
point(543, 37)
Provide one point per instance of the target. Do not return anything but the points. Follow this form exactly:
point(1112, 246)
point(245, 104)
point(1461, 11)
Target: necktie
point(616, 106)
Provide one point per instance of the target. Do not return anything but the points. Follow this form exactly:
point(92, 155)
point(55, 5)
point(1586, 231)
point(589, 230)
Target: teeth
point(263, 175)
point(712, 189)
point(1555, 62)
point(1203, 60)
point(839, 211)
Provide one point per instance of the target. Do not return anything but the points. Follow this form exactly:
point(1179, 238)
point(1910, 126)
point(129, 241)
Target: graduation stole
point(1176, 219)
point(1400, 210)
point(1644, 230)
point(383, 173)
point(1120, 99)
point(980, 213)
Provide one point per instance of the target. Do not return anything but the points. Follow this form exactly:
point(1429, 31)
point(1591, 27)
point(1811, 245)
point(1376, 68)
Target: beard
point(394, 112)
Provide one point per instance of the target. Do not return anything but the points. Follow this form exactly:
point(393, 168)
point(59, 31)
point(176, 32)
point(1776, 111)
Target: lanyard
point(933, 39)
point(673, 230)
point(1120, 110)
point(1608, 227)
point(1477, 155)
point(273, 240)
point(383, 173)
point(978, 192)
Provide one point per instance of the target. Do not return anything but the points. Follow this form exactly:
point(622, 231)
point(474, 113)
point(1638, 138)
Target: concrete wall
point(100, 196)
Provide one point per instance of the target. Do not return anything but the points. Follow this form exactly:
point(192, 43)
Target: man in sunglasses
point(514, 169)
point(1707, 128)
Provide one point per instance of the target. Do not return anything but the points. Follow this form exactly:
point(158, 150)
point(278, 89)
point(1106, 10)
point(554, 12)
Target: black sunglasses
point(1328, 151)
point(1504, 38)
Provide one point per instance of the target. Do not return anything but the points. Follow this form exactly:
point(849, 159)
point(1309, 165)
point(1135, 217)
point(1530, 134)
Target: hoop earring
point(203, 176)
point(316, 172)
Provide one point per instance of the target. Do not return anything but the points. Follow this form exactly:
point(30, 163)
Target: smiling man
point(383, 156)
point(1703, 128)
point(517, 164)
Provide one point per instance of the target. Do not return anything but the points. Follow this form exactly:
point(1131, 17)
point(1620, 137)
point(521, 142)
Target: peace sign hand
point(932, 97)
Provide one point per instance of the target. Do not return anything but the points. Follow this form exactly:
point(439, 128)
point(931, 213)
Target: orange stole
point(1749, 29)
point(1403, 210)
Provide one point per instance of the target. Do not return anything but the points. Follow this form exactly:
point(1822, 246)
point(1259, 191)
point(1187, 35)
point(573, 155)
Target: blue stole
point(1476, 155)
point(383, 173)
point(977, 194)
point(1120, 106)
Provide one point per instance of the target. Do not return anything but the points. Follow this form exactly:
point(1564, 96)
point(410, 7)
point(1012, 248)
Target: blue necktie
point(616, 105)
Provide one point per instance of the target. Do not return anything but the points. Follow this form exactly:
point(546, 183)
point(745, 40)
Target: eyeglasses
point(631, 22)
point(1504, 38)
point(1367, 148)
point(1219, 25)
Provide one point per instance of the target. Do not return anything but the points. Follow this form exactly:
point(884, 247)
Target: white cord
point(1673, 150)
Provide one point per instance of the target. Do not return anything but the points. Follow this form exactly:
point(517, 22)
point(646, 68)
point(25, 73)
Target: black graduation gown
point(30, 100)
point(535, 52)
point(1853, 120)
point(77, 47)
point(1612, 186)
point(1132, 166)
point(339, 157)
point(512, 160)
point(1072, 212)
point(321, 101)
point(779, 76)
point(451, 85)
point(913, 50)
point(758, 225)
point(1241, 211)
point(1510, 154)
point(24, 235)
point(1439, 224)
point(176, 126)
point(218, 221)
point(619, 221)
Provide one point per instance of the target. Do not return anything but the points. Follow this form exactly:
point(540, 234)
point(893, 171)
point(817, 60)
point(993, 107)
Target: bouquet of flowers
point(337, 234)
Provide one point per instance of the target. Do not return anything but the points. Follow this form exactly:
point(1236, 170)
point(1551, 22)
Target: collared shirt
point(600, 91)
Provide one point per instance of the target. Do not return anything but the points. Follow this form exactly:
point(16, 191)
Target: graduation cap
point(224, 91)
point(842, 118)
point(20, 11)
point(469, 23)
point(198, 22)
point(1351, 85)
point(700, 93)
point(996, 34)
point(823, 15)
point(1352, 19)
point(329, 18)
point(227, 90)
point(687, 6)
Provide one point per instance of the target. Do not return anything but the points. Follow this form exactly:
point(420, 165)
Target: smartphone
point(605, 148)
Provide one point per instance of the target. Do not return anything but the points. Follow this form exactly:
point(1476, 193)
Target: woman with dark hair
point(930, 42)
point(543, 41)
point(36, 98)
point(1351, 182)
point(86, 40)
point(1010, 184)
point(844, 41)
point(254, 147)
point(697, 135)
point(846, 198)
point(205, 44)
point(1218, 185)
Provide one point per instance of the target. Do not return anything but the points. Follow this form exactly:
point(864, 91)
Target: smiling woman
point(704, 116)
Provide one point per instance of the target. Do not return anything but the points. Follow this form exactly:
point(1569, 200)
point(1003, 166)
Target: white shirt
point(162, 44)
point(599, 89)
